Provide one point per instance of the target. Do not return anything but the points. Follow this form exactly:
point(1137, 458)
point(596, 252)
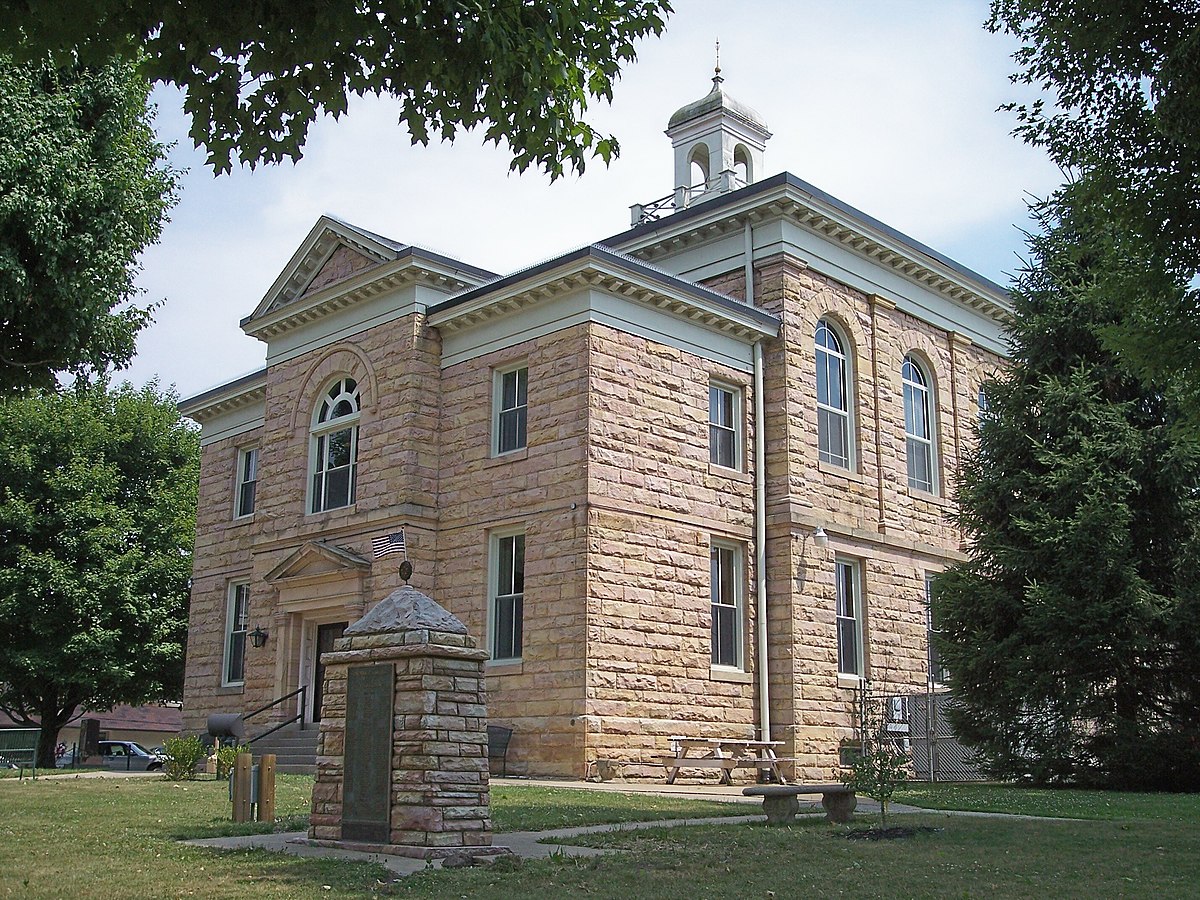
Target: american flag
point(389, 543)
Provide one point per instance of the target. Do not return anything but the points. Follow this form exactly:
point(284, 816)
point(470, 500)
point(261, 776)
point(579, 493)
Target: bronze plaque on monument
point(366, 798)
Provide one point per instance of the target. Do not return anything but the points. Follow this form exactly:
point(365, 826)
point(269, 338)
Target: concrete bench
point(780, 803)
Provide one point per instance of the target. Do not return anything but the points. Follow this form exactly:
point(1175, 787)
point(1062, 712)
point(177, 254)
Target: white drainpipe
point(760, 507)
point(760, 545)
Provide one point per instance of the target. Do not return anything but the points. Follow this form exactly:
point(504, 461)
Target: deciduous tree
point(1122, 117)
point(257, 75)
point(84, 189)
point(97, 520)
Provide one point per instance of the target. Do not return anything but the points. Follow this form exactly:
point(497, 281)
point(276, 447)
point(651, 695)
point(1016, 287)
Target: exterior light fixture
point(258, 637)
point(820, 538)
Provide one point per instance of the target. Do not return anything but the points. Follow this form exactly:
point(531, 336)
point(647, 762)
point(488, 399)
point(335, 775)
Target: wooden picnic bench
point(780, 803)
point(725, 754)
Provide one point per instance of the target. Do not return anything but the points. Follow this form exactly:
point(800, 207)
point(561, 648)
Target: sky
point(889, 105)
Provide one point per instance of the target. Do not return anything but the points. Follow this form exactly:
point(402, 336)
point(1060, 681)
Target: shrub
point(183, 756)
point(226, 758)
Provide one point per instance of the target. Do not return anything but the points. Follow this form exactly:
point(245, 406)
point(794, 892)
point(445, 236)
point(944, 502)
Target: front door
point(326, 635)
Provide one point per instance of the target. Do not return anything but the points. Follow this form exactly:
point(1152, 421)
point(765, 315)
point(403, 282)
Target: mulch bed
point(889, 834)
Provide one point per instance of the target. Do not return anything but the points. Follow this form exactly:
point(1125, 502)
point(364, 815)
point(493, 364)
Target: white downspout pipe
point(760, 546)
point(760, 508)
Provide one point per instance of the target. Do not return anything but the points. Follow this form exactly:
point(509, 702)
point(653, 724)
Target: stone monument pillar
point(402, 763)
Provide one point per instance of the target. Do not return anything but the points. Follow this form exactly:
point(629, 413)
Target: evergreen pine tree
point(1071, 635)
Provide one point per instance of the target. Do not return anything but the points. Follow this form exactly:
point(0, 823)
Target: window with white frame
point(848, 591)
point(724, 418)
point(236, 616)
point(510, 405)
point(247, 481)
point(918, 427)
point(938, 673)
point(507, 595)
point(335, 446)
point(833, 398)
point(726, 592)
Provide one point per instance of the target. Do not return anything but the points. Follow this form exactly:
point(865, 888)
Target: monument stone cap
point(407, 609)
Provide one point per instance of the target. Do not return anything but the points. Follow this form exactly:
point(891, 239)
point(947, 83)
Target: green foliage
point(183, 755)
point(83, 191)
point(1073, 633)
point(258, 75)
point(1123, 118)
point(97, 521)
point(878, 766)
point(227, 758)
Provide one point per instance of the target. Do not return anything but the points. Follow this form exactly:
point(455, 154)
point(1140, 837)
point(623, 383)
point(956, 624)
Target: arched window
point(741, 166)
point(833, 398)
point(335, 446)
point(699, 167)
point(918, 426)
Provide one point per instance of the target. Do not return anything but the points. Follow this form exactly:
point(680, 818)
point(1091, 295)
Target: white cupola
point(718, 144)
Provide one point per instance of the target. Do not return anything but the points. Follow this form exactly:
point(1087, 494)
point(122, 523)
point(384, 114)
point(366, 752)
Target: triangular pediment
point(316, 559)
point(344, 262)
point(333, 251)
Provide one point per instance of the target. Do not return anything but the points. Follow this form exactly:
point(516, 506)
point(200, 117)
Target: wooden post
point(266, 788)
point(242, 807)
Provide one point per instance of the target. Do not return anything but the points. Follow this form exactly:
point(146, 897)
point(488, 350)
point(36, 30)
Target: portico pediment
point(319, 560)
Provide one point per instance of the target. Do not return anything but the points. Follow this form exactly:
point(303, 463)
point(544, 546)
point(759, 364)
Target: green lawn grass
point(1065, 803)
point(114, 837)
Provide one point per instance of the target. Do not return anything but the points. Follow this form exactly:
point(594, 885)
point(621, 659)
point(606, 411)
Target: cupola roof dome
point(716, 99)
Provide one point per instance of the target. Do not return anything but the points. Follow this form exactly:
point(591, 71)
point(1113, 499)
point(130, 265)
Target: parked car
point(127, 756)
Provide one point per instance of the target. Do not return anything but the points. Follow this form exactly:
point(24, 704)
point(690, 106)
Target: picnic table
point(725, 754)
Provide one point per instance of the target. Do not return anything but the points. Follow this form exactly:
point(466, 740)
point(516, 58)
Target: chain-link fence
point(919, 724)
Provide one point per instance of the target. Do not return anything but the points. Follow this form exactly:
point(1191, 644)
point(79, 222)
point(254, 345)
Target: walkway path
point(534, 844)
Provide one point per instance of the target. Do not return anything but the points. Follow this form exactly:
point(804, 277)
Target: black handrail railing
point(297, 717)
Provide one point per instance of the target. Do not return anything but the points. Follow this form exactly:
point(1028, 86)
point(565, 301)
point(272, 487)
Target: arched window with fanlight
point(919, 426)
point(335, 446)
point(833, 398)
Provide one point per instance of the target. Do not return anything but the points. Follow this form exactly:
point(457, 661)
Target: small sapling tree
point(879, 765)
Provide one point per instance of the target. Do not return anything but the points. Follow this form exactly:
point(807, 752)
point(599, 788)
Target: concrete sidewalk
point(541, 844)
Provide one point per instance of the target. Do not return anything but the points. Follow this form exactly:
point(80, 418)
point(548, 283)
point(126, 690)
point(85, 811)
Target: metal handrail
point(297, 717)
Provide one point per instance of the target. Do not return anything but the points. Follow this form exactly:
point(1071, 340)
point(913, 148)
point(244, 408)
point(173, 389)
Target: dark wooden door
point(326, 635)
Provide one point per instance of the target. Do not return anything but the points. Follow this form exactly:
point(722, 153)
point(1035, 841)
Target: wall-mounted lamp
point(258, 637)
point(820, 538)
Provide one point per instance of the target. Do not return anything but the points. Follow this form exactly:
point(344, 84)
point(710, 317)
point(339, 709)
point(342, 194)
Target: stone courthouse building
point(688, 480)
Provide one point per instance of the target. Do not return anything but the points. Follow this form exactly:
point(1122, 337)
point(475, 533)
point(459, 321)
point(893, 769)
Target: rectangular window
point(237, 612)
point(247, 481)
point(506, 617)
point(725, 590)
point(938, 673)
point(848, 579)
point(724, 418)
point(510, 408)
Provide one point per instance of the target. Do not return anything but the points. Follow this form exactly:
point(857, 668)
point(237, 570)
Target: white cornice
point(590, 272)
point(866, 241)
point(357, 289)
point(206, 407)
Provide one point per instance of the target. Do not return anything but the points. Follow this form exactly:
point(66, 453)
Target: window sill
point(849, 681)
point(930, 498)
point(504, 667)
point(231, 689)
point(511, 456)
point(327, 514)
point(733, 676)
point(243, 520)
point(839, 472)
point(732, 474)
